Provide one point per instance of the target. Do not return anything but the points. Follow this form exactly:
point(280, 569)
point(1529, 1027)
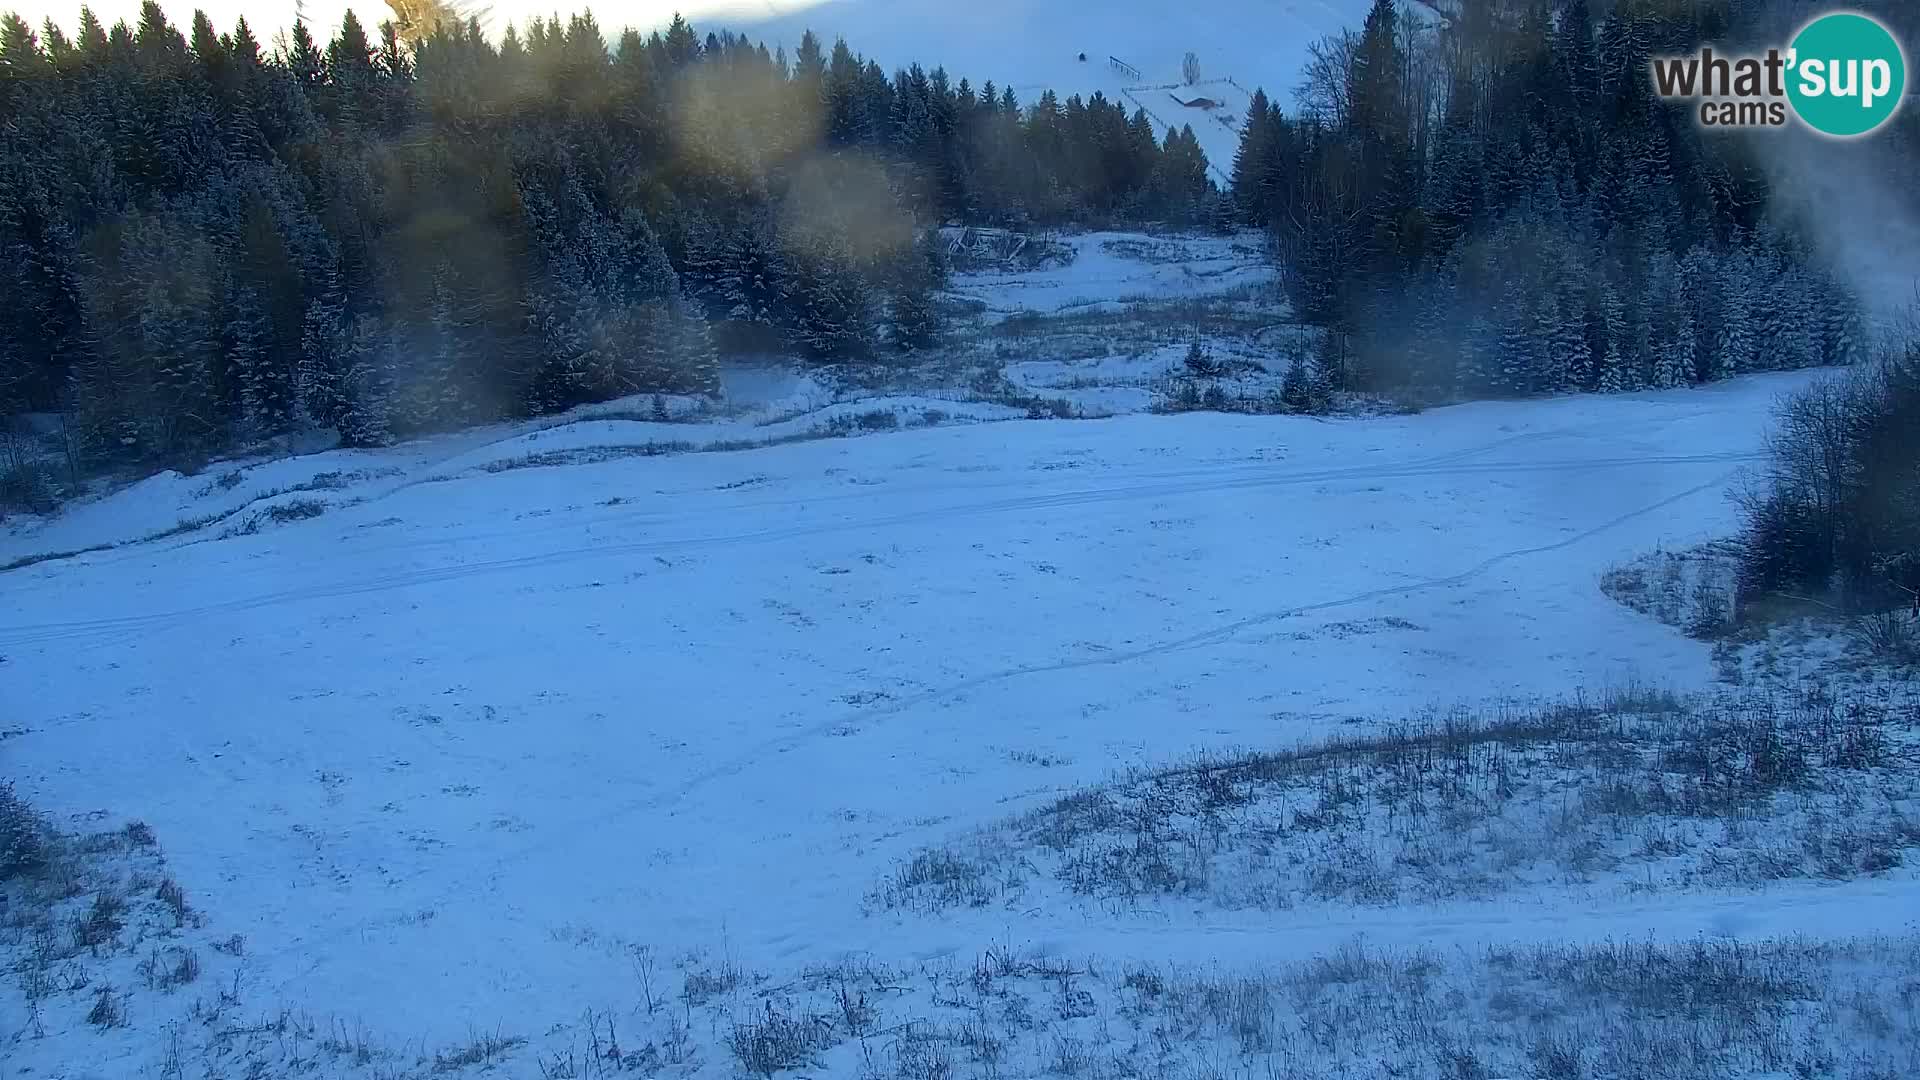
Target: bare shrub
point(922, 1052)
point(31, 487)
point(174, 898)
point(1888, 635)
point(481, 1048)
point(777, 1039)
point(1637, 789)
point(1690, 589)
point(1836, 515)
point(703, 984)
point(934, 879)
point(107, 1011)
point(169, 969)
point(101, 923)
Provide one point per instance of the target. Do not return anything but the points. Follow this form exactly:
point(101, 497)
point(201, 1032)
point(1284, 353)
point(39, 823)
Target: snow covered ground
point(1106, 270)
point(448, 751)
point(243, 496)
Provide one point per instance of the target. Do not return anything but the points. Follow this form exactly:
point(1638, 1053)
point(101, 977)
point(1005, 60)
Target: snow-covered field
point(447, 755)
point(1103, 271)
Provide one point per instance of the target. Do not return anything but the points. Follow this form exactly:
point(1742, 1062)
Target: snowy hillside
point(453, 765)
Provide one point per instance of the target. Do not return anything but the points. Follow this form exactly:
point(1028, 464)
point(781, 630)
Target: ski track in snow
point(1160, 488)
point(575, 833)
point(753, 802)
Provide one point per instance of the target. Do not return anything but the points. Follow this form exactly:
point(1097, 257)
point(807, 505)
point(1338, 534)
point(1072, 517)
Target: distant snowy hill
point(1032, 46)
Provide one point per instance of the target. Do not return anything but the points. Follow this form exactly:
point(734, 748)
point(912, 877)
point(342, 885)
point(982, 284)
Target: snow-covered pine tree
point(1556, 348)
point(1733, 352)
point(1572, 366)
point(1665, 367)
point(1677, 361)
point(435, 391)
point(1432, 350)
point(1477, 368)
point(1457, 187)
point(1306, 388)
point(149, 389)
point(912, 319)
point(704, 261)
point(697, 359)
point(1518, 343)
point(366, 384)
point(1701, 284)
point(1636, 341)
point(555, 305)
point(829, 303)
point(1294, 386)
point(1612, 376)
point(1326, 375)
point(1252, 161)
point(645, 309)
point(1843, 337)
point(319, 397)
point(749, 287)
point(248, 349)
point(1794, 324)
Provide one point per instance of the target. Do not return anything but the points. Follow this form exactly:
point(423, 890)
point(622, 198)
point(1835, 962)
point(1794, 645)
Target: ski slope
point(445, 754)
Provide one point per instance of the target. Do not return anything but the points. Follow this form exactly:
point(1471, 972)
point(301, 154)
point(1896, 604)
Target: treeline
point(205, 243)
point(1835, 518)
point(1501, 205)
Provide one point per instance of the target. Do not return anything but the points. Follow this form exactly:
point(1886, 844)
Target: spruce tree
point(1519, 337)
point(1734, 351)
point(1297, 387)
point(911, 316)
point(1253, 159)
point(1612, 376)
point(365, 388)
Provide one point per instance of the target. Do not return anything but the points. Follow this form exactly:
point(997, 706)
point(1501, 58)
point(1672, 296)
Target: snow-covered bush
point(23, 835)
point(28, 487)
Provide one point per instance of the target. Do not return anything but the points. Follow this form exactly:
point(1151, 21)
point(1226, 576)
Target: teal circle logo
point(1847, 74)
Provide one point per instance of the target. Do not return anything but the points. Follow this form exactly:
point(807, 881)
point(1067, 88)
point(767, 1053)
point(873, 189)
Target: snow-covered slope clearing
point(445, 756)
point(1091, 328)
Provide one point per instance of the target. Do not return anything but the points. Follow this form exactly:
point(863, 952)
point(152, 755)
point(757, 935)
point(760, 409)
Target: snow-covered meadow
point(454, 750)
point(1104, 271)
